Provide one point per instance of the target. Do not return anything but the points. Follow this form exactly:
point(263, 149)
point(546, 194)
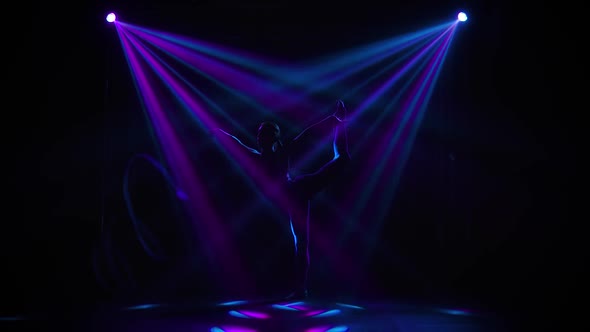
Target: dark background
point(487, 169)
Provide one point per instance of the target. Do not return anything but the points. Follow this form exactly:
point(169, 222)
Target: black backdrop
point(485, 169)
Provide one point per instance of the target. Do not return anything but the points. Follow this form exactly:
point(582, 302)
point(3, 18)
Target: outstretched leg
point(340, 134)
point(310, 184)
point(305, 186)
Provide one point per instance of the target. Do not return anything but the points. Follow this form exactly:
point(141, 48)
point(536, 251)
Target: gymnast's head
point(268, 137)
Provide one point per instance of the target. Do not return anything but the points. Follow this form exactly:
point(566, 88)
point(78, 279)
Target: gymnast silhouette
point(293, 193)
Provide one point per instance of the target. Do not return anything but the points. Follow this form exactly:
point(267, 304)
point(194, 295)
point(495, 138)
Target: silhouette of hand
point(340, 113)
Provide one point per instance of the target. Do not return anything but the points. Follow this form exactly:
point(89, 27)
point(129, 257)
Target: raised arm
point(330, 121)
point(252, 150)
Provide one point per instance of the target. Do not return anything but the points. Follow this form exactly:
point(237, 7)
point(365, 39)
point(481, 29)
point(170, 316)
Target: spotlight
point(111, 17)
point(462, 17)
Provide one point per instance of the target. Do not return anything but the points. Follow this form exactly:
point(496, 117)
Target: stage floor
point(275, 316)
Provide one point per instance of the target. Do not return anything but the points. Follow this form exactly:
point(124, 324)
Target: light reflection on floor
point(300, 316)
